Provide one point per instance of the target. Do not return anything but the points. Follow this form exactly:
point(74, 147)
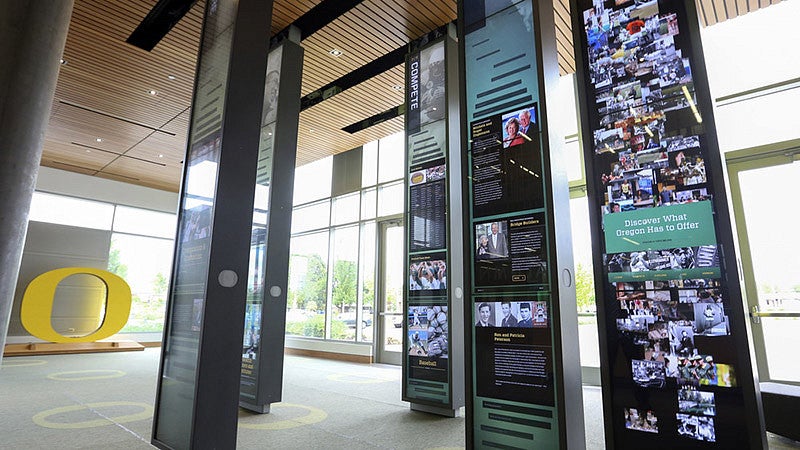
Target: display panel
point(427, 377)
point(513, 377)
point(248, 388)
point(187, 302)
point(671, 351)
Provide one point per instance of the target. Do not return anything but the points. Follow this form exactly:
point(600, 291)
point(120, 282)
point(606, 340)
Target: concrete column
point(32, 37)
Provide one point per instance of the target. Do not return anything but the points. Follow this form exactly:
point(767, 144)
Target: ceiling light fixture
point(63, 62)
point(397, 87)
point(171, 77)
point(152, 92)
point(160, 155)
point(99, 139)
point(336, 52)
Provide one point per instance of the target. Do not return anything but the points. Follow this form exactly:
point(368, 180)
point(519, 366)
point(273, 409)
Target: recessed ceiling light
point(397, 87)
point(160, 156)
point(88, 151)
point(99, 139)
point(152, 92)
point(311, 130)
point(336, 52)
point(171, 77)
point(63, 61)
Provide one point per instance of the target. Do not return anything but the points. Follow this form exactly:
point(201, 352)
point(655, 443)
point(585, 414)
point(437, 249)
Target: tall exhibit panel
point(265, 316)
point(433, 361)
point(522, 367)
point(675, 357)
point(199, 376)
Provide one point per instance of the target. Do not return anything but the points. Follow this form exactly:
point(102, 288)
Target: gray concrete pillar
point(32, 38)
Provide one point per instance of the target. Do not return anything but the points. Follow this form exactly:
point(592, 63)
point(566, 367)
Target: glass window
point(753, 50)
point(390, 199)
point(567, 111)
point(313, 181)
point(367, 277)
point(308, 285)
point(757, 121)
point(145, 222)
point(573, 160)
point(145, 263)
point(344, 287)
point(311, 217)
point(369, 164)
point(391, 157)
point(71, 211)
point(369, 201)
point(345, 209)
point(584, 283)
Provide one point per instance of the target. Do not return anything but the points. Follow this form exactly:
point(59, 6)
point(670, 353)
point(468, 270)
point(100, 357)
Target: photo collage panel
point(648, 140)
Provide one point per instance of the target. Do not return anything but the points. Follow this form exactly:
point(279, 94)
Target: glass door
point(391, 275)
point(763, 191)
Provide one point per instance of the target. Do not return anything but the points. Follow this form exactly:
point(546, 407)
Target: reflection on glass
point(574, 163)
point(392, 288)
point(773, 242)
point(308, 285)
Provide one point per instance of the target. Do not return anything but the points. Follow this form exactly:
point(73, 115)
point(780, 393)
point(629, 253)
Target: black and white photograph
point(681, 337)
point(710, 320)
point(649, 374)
point(696, 427)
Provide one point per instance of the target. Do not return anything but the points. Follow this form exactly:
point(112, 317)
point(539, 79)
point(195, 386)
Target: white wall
point(62, 182)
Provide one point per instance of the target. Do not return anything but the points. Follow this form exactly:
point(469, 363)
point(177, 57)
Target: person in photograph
point(525, 124)
point(525, 319)
point(484, 315)
point(708, 318)
point(508, 319)
point(685, 344)
point(513, 137)
point(625, 188)
point(483, 247)
point(498, 248)
point(540, 317)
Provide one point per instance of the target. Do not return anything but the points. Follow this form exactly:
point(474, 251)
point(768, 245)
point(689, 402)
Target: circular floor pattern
point(65, 376)
point(314, 415)
point(42, 418)
point(23, 363)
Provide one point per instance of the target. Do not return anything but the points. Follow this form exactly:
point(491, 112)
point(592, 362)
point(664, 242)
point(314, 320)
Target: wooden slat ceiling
point(103, 89)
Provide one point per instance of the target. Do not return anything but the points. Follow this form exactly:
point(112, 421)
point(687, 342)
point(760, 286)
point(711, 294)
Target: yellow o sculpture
point(37, 305)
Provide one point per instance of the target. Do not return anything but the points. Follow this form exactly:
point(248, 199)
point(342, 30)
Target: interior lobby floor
point(105, 401)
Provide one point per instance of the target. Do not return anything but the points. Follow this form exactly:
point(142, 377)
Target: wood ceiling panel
point(69, 124)
point(67, 153)
point(108, 76)
point(139, 172)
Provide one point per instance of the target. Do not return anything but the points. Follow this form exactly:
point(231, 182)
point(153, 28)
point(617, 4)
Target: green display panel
point(427, 365)
point(513, 372)
point(674, 354)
